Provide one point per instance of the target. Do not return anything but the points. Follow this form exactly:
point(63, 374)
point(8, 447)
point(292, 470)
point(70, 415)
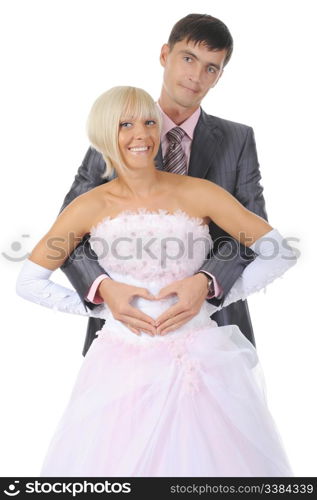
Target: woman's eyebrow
point(191, 54)
point(127, 118)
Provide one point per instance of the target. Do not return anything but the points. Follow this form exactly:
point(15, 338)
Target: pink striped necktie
point(175, 159)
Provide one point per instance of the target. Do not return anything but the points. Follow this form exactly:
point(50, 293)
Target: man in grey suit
point(219, 150)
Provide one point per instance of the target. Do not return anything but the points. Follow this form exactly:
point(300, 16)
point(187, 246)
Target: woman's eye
point(125, 124)
point(150, 122)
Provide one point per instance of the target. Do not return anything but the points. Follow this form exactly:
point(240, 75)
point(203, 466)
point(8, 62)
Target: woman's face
point(139, 141)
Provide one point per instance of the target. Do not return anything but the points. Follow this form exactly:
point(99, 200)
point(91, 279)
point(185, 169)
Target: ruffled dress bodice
point(151, 250)
point(147, 246)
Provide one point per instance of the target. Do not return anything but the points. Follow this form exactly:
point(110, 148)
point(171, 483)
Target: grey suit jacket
point(223, 152)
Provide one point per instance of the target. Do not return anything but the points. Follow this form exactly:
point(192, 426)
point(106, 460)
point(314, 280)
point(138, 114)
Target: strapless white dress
point(190, 403)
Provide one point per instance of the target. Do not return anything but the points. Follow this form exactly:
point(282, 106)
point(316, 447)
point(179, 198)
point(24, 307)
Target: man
point(192, 143)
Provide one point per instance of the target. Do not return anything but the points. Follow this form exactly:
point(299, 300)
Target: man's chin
point(187, 104)
point(188, 98)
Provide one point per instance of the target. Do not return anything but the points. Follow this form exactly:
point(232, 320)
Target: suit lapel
point(206, 141)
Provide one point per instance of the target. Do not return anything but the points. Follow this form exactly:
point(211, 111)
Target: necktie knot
point(175, 135)
point(175, 159)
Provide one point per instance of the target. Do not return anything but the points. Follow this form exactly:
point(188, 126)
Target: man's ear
point(164, 53)
point(220, 75)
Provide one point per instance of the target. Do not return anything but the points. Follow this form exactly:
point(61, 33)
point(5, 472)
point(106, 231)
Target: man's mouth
point(191, 90)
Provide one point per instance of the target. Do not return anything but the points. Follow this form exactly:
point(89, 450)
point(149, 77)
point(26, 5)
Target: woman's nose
point(140, 131)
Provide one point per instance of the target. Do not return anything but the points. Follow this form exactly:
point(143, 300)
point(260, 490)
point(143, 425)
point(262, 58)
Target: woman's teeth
point(139, 149)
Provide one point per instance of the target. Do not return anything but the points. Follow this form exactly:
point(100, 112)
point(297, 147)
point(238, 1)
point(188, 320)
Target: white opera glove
point(33, 284)
point(274, 258)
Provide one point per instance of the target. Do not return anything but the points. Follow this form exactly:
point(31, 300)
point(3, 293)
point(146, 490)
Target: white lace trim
point(199, 221)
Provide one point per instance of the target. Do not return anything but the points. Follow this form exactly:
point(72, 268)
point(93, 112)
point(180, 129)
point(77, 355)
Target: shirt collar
point(188, 125)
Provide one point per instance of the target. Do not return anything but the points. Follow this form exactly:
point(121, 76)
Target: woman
point(187, 403)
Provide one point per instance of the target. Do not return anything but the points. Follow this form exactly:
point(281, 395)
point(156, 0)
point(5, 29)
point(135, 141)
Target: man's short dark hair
point(205, 29)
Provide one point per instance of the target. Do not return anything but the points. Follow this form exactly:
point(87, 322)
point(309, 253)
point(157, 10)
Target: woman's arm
point(67, 231)
point(274, 258)
point(82, 266)
point(49, 254)
point(228, 213)
point(249, 192)
point(274, 255)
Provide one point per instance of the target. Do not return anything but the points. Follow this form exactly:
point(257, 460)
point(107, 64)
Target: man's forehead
point(197, 46)
point(201, 51)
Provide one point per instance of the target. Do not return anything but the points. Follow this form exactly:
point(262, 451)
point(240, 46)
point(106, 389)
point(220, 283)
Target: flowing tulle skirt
point(180, 405)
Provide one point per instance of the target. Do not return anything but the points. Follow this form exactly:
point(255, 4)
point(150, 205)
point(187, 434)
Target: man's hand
point(192, 292)
point(118, 296)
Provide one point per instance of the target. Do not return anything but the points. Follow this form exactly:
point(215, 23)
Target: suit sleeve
point(82, 266)
point(249, 190)
point(229, 258)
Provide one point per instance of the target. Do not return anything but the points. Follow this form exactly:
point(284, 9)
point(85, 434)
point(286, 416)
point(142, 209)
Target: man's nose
point(195, 74)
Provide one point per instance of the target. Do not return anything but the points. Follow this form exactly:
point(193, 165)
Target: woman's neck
point(141, 185)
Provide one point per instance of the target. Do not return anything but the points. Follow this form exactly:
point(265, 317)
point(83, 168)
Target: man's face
point(190, 71)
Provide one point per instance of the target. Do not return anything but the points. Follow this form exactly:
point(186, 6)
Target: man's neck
point(176, 113)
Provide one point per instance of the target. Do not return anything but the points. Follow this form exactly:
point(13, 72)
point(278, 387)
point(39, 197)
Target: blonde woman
point(190, 402)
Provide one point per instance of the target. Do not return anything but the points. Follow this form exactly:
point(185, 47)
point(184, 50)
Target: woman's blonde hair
point(105, 116)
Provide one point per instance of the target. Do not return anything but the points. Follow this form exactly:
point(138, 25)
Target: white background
point(57, 57)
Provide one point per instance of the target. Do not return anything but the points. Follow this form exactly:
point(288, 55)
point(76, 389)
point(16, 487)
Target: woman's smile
point(139, 150)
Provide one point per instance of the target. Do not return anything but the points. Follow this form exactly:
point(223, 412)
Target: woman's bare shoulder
point(98, 193)
point(199, 195)
point(87, 205)
point(198, 185)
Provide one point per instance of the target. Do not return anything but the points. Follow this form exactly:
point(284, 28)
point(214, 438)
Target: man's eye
point(187, 59)
point(211, 69)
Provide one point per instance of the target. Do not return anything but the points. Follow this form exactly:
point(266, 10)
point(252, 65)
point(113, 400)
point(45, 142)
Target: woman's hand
point(118, 296)
point(192, 293)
